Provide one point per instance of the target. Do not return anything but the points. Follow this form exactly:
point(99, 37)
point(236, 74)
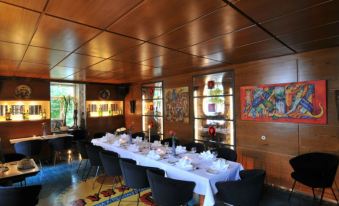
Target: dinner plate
point(4, 169)
point(212, 171)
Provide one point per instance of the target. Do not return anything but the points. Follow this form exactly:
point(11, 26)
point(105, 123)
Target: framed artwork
point(177, 104)
point(23, 91)
point(299, 102)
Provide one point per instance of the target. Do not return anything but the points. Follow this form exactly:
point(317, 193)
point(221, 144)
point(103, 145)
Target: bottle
point(8, 114)
point(26, 115)
point(43, 115)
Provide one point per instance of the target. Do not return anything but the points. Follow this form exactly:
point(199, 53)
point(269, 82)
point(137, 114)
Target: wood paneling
point(60, 34)
point(317, 44)
point(33, 70)
point(107, 44)
point(104, 124)
point(98, 13)
point(141, 22)
point(44, 56)
point(30, 4)
point(11, 51)
point(16, 24)
point(79, 61)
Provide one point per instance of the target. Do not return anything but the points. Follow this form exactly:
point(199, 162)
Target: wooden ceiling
point(121, 41)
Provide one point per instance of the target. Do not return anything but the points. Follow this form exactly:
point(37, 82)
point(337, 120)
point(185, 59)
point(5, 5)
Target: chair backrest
point(169, 140)
point(110, 161)
point(93, 153)
point(79, 134)
point(244, 192)
point(61, 143)
point(18, 196)
point(135, 175)
point(226, 153)
point(81, 146)
point(323, 166)
point(155, 137)
point(28, 148)
point(199, 146)
point(99, 135)
point(138, 134)
point(10, 157)
point(170, 192)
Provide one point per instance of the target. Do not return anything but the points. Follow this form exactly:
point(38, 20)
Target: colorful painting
point(177, 104)
point(300, 102)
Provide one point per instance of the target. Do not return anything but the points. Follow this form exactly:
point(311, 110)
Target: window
point(213, 108)
point(152, 108)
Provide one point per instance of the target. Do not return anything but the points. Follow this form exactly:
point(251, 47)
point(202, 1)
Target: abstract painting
point(299, 102)
point(177, 104)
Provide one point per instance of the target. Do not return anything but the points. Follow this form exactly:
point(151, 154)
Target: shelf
point(19, 121)
point(120, 115)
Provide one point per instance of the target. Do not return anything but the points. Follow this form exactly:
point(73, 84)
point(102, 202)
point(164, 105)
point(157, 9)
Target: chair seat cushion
point(309, 179)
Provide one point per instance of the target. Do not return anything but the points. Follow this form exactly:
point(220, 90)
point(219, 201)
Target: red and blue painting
point(297, 102)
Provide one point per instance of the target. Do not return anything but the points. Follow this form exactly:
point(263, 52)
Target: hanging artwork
point(177, 104)
point(300, 102)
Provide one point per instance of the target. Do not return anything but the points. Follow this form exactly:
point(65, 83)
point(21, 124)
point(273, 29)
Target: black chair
point(315, 170)
point(169, 140)
point(155, 137)
point(244, 192)
point(170, 192)
point(81, 147)
point(138, 134)
point(199, 146)
point(110, 162)
point(79, 134)
point(226, 153)
point(10, 157)
point(60, 145)
point(18, 196)
point(99, 135)
point(31, 148)
point(135, 176)
point(93, 153)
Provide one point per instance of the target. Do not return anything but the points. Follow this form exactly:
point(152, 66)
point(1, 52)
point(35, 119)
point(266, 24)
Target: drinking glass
point(193, 149)
point(215, 154)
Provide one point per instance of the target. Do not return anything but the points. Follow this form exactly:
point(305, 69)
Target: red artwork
point(300, 102)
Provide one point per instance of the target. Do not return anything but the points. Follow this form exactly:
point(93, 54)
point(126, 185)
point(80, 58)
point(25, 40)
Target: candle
point(149, 133)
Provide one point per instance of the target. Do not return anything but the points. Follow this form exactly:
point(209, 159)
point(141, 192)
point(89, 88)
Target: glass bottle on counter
point(8, 114)
point(26, 115)
point(100, 112)
point(43, 115)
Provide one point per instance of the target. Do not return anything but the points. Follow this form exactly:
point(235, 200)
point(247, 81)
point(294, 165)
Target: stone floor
point(56, 180)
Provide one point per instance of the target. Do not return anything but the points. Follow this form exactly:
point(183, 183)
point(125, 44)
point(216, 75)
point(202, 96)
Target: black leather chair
point(81, 147)
point(93, 153)
point(79, 134)
point(169, 192)
point(155, 137)
point(99, 135)
point(315, 170)
point(226, 153)
point(244, 192)
point(110, 162)
point(135, 176)
point(199, 146)
point(30, 149)
point(18, 196)
point(10, 157)
point(138, 134)
point(169, 140)
point(60, 145)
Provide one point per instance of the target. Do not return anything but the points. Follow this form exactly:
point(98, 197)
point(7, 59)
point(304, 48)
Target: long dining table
point(200, 174)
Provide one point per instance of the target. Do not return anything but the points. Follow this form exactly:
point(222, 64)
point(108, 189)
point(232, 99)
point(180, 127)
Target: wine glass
point(193, 149)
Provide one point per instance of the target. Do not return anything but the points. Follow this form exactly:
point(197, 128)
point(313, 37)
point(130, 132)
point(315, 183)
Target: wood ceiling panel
point(262, 10)
point(229, 41)
point(27, 69)
point(305, 19)
point(141, 53)
point(62, 35)
point(11, 51)
point(37, 5)
point(153, 17)
point(220, 22)
point(113, 66)
point(317, 44)
point(98, 13)
point(107, 44)
point(16, 24)
point(61, 72)
point(321, 32)
point(44, 56)
point(79, 61)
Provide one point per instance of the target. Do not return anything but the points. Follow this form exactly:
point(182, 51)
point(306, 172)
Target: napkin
point(220, 164)
point(117, 143)
point(161, 151)
point(137, 139)
point(153, 155)
point(156, 144)
point(207, 155)
point(180, 149)
point(185, 163)
point(133, 148)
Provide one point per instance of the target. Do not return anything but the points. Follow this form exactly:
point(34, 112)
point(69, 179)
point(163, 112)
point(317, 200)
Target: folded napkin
point(185, 163)
point(220, 164)
point(137, 139)
point(156, 144)
point(153, 155)
point(207, 155)
point(117, 143)
point(161, 151)
point(180, 149)
point(133, 148)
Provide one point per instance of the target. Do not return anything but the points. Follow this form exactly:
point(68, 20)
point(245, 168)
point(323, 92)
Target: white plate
point(212, 171)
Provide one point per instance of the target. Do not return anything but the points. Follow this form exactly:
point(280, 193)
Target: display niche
point(103, 108)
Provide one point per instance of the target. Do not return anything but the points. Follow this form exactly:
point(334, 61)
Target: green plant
point(65, 103)
point(216, 92)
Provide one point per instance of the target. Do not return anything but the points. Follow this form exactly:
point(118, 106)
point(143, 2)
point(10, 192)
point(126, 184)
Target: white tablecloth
point(205, 182)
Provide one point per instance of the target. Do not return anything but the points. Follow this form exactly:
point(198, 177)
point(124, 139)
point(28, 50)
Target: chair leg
point(89, 170)
point(79, 166)
point(313, 193)
point(83, 174)
point(123, 191)
point(96, 175)
point(103, 181)
point(322, 195)
point(334, 195)
point(289, 197)
point(138, 197)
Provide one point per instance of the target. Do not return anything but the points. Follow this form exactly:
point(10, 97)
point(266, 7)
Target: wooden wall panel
point(104, 124)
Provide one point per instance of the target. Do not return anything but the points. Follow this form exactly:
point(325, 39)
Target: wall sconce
point(132, 104)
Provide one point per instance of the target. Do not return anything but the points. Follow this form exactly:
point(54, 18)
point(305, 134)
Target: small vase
point(173, 147)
